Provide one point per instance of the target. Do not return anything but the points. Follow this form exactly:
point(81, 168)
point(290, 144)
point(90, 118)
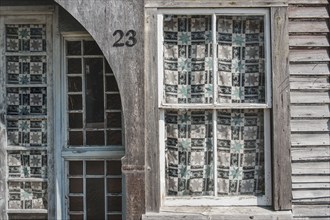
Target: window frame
point(65, 153)
point(215, 200)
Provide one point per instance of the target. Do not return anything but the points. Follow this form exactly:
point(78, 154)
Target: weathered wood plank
point(309, 97)
point(309, 69)
point(310, 153)
point(311, 168)
point(309, 41)
point(309, 83)
point(310, 125)
point(311, 179)
point(309, 55)
point(310, 139)
point(312, 185)
point(308, 2)
point(308, 12)
point(310, 111)
point(152, 153)
point(281, 112)
point(311, 210)
point(308, 26)
point(213, 3)
point(321, 194)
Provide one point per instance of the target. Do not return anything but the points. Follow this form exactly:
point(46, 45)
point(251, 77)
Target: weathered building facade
point(181, 109)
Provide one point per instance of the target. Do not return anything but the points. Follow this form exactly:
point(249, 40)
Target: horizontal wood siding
point(310, 115)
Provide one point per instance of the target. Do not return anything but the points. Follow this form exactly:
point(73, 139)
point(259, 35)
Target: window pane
point(75, 120)
point(114, 185)
point(113, 102)
point(75, 138)
point(241, 59)
point(114, 137)
point(94, 92)
point(76, 203)
point(91, 48)
point(74, 65)
point(114, 203)
point(74, 84)
point(75, 102)
point(76, 185)
point(73, 47)
point(95, 198)
point(240, 146)
point(76, 168)
point(187, 59)
point(189, 149)
point(95, 138)
point(94, 167)
point(113, 167)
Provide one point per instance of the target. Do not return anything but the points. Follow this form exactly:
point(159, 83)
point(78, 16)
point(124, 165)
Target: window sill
point(201, 213)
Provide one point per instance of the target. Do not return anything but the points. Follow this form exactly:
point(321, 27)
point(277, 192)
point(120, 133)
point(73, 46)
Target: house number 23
point(129, 37)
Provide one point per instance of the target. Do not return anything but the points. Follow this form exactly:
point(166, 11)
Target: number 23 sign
point(125, 39)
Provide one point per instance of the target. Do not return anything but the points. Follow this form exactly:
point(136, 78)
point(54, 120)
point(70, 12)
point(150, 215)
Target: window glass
point(95, 185)
point(218, 149)
point(93, 100)
point(187, 59)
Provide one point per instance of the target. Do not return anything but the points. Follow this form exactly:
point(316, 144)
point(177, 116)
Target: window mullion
point(214, 56)
point(215, 155)
point(214, 71)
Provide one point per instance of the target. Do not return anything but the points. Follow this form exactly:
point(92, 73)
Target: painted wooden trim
point(213, 3)
point(282, 191)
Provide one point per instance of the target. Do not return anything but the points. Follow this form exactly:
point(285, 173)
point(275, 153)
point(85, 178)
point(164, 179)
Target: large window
point(214, 101)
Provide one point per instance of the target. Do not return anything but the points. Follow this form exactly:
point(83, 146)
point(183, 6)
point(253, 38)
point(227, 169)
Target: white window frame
point(64, 153)
point(265, 200)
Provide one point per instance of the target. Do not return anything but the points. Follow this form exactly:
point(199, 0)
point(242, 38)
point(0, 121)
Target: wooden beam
point(152, 133)
point(213, 3)
point(282, 192)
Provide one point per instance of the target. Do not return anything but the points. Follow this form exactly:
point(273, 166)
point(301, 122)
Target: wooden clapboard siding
point(310, 115)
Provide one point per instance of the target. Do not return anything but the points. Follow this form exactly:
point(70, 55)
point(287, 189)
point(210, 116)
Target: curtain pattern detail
point(187, 59)
point(26, 101)
point(240, 146)
point(26, 69)
point(27, 164)
point(26, 98)
point(189, 153)
point(27, 195)
point(241, 59)
point(25, 37)
point(27, 132)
